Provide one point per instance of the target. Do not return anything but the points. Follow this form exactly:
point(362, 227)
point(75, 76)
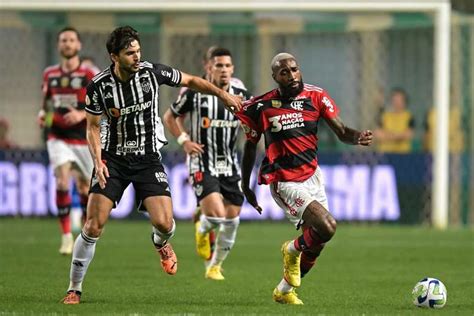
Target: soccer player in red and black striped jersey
point(64, 93)
point(288, 118)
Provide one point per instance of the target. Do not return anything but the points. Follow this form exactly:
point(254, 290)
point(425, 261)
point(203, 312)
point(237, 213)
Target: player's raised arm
point(233, 103)
point(348, 135)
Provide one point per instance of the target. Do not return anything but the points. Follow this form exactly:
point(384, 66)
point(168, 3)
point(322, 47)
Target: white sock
point(284, 287)
point(84, 249)
point(292, 249)
point(208, 223)
point(225, 241)
point(160, 238)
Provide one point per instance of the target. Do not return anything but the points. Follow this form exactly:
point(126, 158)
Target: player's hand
point(192, 148)
point(74, 116)
point(233, 103)
point(252, 199)
point(41, 118)
point(365, 138)
point(101, 173)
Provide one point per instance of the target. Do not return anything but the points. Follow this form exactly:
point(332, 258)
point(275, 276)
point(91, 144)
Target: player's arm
point(175, 125)
point(248, 161)
point(348, 135)
point(233, 103)
point(93, 140)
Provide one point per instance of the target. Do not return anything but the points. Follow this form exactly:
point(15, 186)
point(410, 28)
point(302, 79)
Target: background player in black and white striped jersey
point(125, 134)
point(212, 158)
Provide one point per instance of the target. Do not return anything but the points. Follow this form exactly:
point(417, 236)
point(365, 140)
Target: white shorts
point(294, 197)
point(61, 152)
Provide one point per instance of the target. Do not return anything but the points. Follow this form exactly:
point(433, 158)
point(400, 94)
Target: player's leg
point(99, 205)
point(233, 200)
point(153, 196)
point(206, 188)
point(98, 210)
point(83, 166)
point(160, 210)
point(62, 175)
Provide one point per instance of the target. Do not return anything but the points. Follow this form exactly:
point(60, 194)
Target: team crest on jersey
point(276, 103)
point(145, 86)
point(64, 82)
point(76, 83)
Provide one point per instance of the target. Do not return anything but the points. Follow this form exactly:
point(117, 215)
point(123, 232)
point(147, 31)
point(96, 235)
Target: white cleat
point(67, 244)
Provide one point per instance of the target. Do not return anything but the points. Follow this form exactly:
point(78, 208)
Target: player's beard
point(290, 91)
point(69, 54)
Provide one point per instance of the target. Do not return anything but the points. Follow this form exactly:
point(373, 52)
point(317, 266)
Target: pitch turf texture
point(365, 269)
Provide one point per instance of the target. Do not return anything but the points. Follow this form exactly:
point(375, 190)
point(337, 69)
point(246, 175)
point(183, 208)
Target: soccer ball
point(429, 292)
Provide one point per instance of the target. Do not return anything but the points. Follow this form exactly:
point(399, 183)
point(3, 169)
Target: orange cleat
point(169, 262)
point(72, 298)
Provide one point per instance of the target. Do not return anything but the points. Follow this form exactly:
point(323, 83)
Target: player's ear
point(113, 57)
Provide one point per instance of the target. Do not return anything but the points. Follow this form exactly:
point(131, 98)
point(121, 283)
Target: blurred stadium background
point(357, 56)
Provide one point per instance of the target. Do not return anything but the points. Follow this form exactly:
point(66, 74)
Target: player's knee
point(93, 228)
point(327, 228)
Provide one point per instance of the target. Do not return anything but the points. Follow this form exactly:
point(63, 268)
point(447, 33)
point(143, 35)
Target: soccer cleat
point(286, 298)
point(203, 244)
point(214, 273)
point(169, 262)
point(67, 244)
point(72, 298)
point(291, 266)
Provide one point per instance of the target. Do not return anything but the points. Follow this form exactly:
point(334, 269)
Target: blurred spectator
point(456, 135)
point(396, 125)
point(5, 142)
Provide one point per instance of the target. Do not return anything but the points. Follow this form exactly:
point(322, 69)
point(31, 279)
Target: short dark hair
point(219, 51)
point(68, 29)
point(400, 90)
point(121, 38)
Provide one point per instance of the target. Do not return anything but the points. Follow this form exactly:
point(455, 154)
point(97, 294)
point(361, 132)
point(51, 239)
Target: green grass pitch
point(365, 269)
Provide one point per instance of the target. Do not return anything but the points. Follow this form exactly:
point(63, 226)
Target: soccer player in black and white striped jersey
point(213, 165)
point(125, 134)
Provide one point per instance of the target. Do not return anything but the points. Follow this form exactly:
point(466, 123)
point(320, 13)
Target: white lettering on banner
point(33, 189)
point(8, 188)
point(357, 192)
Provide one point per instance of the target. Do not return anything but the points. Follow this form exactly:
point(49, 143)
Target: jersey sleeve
point(94, 103)
point(167, 75)
point(249, 118)
point(183, 104)
point(327, 106)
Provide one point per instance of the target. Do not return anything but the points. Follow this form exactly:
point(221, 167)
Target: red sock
point(63, 201)
point(65, 223)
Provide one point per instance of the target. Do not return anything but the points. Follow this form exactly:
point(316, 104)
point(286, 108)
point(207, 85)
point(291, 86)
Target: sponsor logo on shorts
point(299, 202)
point(161, 177)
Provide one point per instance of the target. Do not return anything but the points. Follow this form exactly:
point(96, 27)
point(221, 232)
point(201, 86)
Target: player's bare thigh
point(212, 205)
point(82, 182)
point(231, 210)
point(316, 216)
point(98, 210)
point(160, 209)
point(63, 174)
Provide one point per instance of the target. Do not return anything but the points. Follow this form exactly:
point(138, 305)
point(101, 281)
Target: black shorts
point(205, 184)
point(146, 173)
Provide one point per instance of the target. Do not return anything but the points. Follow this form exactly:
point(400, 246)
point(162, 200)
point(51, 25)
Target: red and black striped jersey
point(290, 130)
point(62, 90)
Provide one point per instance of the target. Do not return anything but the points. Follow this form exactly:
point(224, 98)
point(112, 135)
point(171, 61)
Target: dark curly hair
point(121, 38)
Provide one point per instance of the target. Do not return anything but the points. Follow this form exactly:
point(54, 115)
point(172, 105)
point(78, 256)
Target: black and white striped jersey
point(213, 126)
point(131, 124)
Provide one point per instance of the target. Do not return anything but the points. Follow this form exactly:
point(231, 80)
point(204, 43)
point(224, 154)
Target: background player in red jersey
point(64, 92)
point(288, 118)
